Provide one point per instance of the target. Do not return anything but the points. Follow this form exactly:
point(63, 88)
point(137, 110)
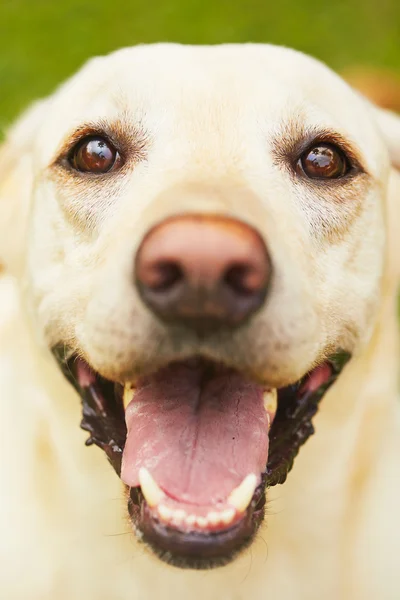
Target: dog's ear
point(16, 183)
point(381, 90)
point(389, 126)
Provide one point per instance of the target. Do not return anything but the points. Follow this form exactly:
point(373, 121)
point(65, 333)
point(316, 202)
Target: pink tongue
point(198, 434)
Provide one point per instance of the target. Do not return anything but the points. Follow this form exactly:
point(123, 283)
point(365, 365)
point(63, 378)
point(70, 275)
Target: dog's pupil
point(324, 162)
point(95, 155)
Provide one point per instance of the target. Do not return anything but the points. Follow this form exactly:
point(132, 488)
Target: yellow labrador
point(201, 262)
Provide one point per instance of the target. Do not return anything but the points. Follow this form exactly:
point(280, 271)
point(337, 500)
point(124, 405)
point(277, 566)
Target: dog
point(200, 264)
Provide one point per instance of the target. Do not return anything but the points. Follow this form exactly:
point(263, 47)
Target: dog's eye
point(323, 161)
point(94, 155)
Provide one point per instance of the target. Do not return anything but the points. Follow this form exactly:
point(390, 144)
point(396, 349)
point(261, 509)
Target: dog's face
point(206, 234)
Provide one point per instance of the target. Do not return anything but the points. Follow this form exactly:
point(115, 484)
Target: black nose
point(203, 270)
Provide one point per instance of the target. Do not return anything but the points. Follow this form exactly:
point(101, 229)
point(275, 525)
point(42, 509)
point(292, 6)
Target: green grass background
point(43, 41)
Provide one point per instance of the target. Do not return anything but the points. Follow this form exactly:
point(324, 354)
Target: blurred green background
point(43, 41)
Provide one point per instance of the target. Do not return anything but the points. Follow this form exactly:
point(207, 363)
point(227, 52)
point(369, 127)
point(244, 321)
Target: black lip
point(292, 425)
point(104, 419)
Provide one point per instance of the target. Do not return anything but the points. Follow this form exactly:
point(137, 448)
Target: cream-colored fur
point(210, 118)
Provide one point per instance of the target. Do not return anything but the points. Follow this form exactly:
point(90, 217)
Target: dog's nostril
point(200, 270)
point(164, 275)
point(243, 280)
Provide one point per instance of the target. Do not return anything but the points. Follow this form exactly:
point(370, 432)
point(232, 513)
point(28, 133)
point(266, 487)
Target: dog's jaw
point(172, 540)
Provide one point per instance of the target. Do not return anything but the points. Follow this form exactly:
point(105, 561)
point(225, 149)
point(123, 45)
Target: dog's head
point(201, 233)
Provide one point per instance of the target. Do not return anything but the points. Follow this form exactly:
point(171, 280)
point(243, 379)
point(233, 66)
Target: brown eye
point(94, 155)
point(323, 161)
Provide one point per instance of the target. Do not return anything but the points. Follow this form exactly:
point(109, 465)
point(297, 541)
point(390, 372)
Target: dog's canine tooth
point(241, 496)
point(129, 392)
point(226, 516)
point(270, 399)
point(150, 488)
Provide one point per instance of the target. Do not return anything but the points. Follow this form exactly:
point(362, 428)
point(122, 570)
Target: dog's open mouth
point(197, 443)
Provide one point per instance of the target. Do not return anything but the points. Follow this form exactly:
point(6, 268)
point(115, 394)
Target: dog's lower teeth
point(190, 520)
point(179, 517)
point(165, 512)
point(214, 518)
point(202, 522)
point(238, 501)
point(241, 496)
point(227, 515)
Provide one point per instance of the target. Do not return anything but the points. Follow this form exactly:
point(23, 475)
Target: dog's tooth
point(191, 520)
point(179, 515)
point(129, 392)
point(270, 399)
point(214, 518)
point(150, 488)
point(241, 496)
point(165, 512)
point(201, 522)
point(227, 515)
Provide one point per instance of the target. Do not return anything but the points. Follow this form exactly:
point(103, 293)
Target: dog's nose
point(203, 271)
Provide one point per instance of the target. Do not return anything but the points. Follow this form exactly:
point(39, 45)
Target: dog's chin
point(206, 546)
point(197, 444)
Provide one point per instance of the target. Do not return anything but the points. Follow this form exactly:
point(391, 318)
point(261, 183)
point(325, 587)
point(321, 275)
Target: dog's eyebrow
point(125, 136)
point(296, 137)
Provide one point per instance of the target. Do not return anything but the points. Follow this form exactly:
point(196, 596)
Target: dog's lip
point(103, 417)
